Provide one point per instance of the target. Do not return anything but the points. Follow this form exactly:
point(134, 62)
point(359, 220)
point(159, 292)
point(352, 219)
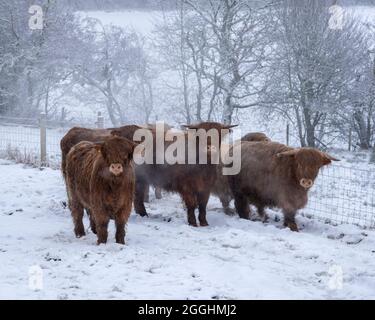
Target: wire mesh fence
point(34, 141)
point(340, 194)
point(343, 195)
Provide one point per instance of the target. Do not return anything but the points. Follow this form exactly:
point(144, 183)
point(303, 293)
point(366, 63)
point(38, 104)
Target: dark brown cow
point(100, 177)
point(274, 175)
point(77, 134)
point(221, 188)
point(192, 181)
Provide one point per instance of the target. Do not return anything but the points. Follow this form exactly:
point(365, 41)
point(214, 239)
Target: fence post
point(287, 134)
point(100, 121)
point(43, 138)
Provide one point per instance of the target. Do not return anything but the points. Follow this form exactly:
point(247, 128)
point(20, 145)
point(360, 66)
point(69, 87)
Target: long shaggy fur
point(91, 185)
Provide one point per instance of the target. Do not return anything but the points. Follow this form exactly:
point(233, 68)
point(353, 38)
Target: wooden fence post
point(100, 121)
point(287, 134)
point(43, 138)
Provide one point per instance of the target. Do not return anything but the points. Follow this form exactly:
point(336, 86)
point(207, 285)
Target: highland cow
point(192, 181)
point(274, 175)
point(77, 134)
point(100, 177)
point(221, 188)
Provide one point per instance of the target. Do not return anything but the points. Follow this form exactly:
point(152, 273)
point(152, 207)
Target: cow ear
point(289, 153)
point(327, 159)
point(98, 147)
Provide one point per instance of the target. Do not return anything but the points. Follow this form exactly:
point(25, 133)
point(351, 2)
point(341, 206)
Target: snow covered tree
point(108, 60)
point(314, 67)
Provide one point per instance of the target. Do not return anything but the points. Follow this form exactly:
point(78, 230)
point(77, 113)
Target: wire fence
point(35, 141)
point(343, 195)
point(340, 194)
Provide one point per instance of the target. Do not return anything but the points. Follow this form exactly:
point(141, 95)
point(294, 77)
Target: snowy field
point(165, 258)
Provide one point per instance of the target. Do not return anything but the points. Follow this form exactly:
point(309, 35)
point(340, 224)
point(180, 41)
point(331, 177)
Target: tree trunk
point(110, 104)
point(310, 128)
point(362, 130)
point(228, 110)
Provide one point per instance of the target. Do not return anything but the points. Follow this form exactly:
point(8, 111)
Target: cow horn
point(230, 126)
point(145, 126)
point(287, 153)
point(326, 155)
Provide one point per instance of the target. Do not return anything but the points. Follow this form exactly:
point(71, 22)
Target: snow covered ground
point(165, 258)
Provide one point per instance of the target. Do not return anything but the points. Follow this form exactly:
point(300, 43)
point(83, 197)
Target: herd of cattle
point(102, 178)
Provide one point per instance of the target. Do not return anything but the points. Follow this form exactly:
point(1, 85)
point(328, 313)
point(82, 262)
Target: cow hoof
point(143, 215)
point(193, 224)
point(265, 219)
point(80, 235)
point(292, 226)
point(203, 224)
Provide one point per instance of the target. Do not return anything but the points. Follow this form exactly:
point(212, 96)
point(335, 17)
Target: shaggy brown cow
point(192, 181)
point(221, 188)
point(77, 134)
point(100, 177)
point(274, 175)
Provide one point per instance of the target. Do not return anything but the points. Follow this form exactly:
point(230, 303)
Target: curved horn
point(230, 126)
point(287, 153)
point(326, 155)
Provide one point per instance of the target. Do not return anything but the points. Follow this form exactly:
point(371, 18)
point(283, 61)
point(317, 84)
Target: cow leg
point(77, 213)
point(92, 221)
point(147, 193)
point(289, 220)
point(262, 213)
point(158, 194)
point(241, 203)
point(101, 222)
point(120, 221)
point(202, 198)
point(139, 206)
point(191, 203)
point(225, 200)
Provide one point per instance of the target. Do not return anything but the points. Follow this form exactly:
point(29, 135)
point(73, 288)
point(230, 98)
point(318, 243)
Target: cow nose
point(116, 168)
point(306, 183)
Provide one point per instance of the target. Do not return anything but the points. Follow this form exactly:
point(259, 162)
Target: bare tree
point(313, 69)
point(108, 60)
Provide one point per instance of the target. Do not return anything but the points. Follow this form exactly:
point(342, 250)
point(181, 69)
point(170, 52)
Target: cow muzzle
point(116, 168)
point(306, 183)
